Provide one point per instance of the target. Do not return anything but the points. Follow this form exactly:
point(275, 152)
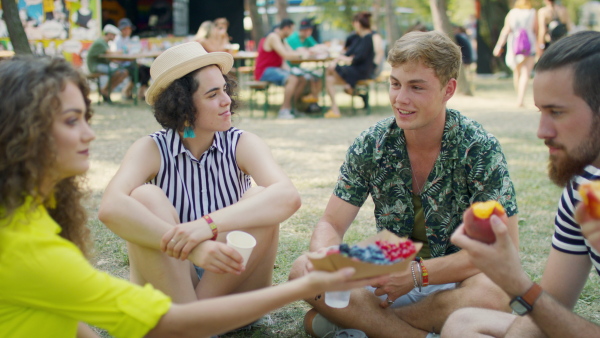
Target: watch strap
point(532, 294)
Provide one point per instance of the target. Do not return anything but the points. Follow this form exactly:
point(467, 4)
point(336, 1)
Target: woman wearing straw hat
point(199, 171)
point(48, 288)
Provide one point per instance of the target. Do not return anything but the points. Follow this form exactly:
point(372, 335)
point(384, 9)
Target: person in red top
point(273, 50)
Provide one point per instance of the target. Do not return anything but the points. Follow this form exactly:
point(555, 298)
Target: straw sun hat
point(180, 60)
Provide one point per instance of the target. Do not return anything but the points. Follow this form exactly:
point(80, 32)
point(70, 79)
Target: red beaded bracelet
point(424, 273)
point(213, 227)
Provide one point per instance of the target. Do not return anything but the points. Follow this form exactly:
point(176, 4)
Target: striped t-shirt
point(197, 187)
point(567, 233)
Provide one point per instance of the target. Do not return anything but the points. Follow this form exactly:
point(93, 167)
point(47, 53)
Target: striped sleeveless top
point(197, 187)
point(567, 233)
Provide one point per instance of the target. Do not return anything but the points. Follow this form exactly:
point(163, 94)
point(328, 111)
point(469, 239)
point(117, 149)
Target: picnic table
point(133, 58)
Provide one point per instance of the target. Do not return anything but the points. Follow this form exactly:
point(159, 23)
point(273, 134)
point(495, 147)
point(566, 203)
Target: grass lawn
point(311, 150)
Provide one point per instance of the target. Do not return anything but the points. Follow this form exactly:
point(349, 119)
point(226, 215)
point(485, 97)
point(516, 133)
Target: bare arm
point(563, 279)
point(503, 36)
point(217, 315)
point(336, 220)
point(542, 28)
point(84, 331)
point(274, 43)
point(276, 203)
point(378, 47)
point(123, 214)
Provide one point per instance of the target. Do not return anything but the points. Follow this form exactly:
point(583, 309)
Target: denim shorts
point(199, 271)
point(275, 75)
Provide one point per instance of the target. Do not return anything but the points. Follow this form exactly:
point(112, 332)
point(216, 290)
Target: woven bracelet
point(213, 227)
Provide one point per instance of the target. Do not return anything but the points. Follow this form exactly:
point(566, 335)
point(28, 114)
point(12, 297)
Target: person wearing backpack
point(553, 23)
point(519, 35)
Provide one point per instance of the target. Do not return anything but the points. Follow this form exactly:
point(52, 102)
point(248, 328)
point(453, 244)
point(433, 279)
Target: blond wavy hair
point(30, 87)
point(434, 49)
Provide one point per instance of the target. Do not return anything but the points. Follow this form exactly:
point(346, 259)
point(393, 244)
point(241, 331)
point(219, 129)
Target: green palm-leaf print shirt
point(470, 167)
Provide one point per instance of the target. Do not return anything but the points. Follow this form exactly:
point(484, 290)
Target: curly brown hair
point(174, 106)
point(30, 87)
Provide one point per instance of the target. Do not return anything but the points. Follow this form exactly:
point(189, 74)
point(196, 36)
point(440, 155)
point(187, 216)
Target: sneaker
point(350, 333)
point(313, 108)
point(318, 326)
point(285, 114)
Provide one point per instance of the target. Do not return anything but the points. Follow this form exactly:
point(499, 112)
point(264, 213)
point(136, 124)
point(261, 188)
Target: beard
point(562, 169)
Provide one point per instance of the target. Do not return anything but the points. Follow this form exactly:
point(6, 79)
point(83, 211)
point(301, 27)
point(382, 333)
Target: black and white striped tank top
point(197, 187)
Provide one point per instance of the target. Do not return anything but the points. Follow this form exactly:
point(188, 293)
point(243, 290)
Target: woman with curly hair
point(47, 286)
point(179, 191)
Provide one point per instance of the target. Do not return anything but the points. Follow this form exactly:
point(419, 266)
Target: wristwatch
point(522, 305)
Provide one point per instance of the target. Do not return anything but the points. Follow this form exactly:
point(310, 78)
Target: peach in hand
point(590, 195)
point(477, 220)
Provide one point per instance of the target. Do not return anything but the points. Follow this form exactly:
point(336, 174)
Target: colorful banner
point(57, 19)
point(57, 27)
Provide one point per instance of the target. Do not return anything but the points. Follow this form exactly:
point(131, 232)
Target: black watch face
point(518, 307)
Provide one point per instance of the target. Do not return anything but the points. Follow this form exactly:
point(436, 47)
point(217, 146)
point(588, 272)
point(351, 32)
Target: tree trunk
point(16, 32)
point(440, 17)
point(489, 25)
point(393, 32)
point(375, 21)
point(257, 23)
point(281, 9)
point(442, 23)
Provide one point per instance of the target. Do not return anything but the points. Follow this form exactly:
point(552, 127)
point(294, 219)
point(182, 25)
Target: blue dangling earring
point(188, 132)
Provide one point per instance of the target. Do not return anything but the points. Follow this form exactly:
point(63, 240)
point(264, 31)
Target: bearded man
point(565, 90)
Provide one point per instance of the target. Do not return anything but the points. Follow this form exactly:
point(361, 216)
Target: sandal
point(331, 115)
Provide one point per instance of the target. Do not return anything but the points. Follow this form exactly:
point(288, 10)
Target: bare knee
point(154, 198)
point(292, 81)
point(486, 294)
point(298, 267)
point(459, 322)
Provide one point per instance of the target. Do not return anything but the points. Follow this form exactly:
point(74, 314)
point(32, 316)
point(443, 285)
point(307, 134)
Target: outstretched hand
point(499, 261)
point(340, 280)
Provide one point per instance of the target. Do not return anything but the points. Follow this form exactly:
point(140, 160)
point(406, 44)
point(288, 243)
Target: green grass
point(311, 150)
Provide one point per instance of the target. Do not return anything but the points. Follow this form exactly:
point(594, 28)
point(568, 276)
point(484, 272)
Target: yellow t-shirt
point(47, 286)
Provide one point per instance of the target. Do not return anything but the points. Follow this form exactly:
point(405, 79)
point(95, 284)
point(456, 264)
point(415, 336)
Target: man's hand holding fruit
point(498, 259)
point(587, 213)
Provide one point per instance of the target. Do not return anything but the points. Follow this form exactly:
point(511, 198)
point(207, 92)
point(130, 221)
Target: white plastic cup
point(337, 299)
point(242, 242)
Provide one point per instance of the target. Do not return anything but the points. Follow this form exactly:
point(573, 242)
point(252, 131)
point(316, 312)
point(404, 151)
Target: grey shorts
point(104, 68)
point(414, 295)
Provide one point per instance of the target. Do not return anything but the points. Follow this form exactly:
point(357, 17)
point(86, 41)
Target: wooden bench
point(259, 86)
